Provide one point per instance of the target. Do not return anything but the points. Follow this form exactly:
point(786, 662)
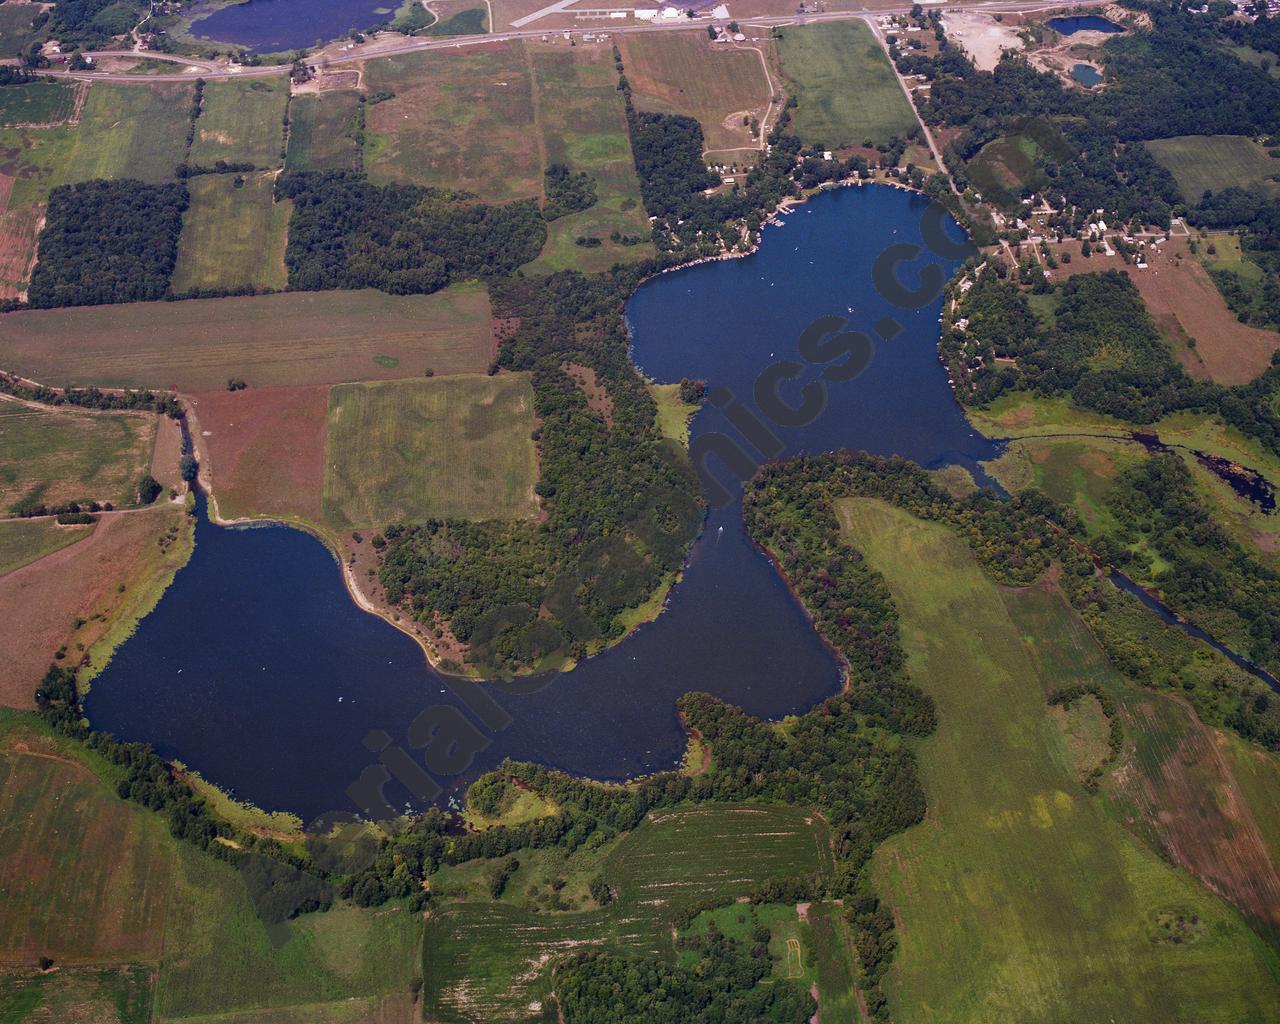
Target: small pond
point(1087, 75)
point(1083, 23)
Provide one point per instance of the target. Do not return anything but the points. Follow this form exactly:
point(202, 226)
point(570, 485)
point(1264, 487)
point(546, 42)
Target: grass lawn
point(1020, 897)
point(491, 961)
point(130, 131)
point(318, 127)
point(23, 541)
point(287, 339)
point(242, 121)
point(417, 449)
point(232, 236)
point(460, 120)
point(1202, 162)
point(685, 73)
point(845, 86)
point(36, 103)
point(583, 123)
point(56, 456)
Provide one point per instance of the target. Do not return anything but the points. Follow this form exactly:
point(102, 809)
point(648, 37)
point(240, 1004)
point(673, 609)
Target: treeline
point(162, 402)
point(1016, 541)
point(346, 232)
point(107, 241)
point(620, 501)
point(722, 983)
point(1257, 217)
point(1103, 351)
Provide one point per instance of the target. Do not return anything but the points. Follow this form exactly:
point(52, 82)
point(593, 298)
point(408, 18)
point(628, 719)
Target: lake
point(257, 670)
point(1083, 23)
point(273, 26)
point(1087, 75)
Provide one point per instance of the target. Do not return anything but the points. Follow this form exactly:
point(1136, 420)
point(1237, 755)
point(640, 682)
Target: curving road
point(209, 69)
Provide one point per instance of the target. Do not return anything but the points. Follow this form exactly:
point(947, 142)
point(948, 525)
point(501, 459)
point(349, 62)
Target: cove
point(258, 671)
point(272, 26)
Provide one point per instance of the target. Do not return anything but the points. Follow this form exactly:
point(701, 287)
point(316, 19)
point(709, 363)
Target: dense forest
point(107, 241)
point(346, 232)
point(621, 502)
point(567, 191)
point(1103, 351)
point(91, 24)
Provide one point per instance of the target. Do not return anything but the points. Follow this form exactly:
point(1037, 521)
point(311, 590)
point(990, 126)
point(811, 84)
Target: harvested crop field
point(286, 339)
point(232, 235)
point(242, 121)
point(40, 602)
point(460, 120)
point(263, 449)
point(1201, 163)
point(53, 456)
point(845, 88)
point(407, 451)
point(685, 73)
point(83, 875)
point(18, 232)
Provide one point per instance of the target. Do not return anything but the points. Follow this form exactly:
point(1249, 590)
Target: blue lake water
point(1087, 75)
point(257, 670)
point(1083, 23)
point(272, 26)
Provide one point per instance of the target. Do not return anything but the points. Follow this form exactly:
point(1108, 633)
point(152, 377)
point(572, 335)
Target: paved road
point(209, 69)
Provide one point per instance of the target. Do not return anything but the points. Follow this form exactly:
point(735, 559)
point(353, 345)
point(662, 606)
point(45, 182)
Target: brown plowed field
point(264, 449)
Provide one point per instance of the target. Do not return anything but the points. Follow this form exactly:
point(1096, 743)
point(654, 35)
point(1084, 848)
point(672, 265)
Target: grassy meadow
point(23, 541)
point(57, 456)
point(318, 131)
point(1211, 162)
point(1019, 896)
point(294, 338)
point(241, 121)
point(491, 961)
point(685, 73)
point(232, 234)
point(846, 89)
point(460, 120)
point(15, 27)
point(583, 124)
point(130, 131)
point(36, 103)
point(417, 449)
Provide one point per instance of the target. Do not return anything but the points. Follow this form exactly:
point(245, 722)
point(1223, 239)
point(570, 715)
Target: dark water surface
point(1083, 23)
point(257, 670)
point(272, 26)
point(1087, 75)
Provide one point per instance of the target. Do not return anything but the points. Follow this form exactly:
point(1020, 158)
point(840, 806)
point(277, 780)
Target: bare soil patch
point(40, 602)
point(982, 37)
point(599, 401)
point(264, 449)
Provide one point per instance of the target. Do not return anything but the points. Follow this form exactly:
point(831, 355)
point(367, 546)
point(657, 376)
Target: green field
point(583, 123)
point(491, 961)
point(15, 27)
point(232, 235)
point(1019, 897)
point(57, 456)
point(417, 449)
point(218, 959)
point(36, 103)
point(318, 132)
point(121, 995)
point(1211, 162)
point(130, 131)
point(33, 157)
point(23, 541)
point(288, 339)
point(845, 87)
point(458, 120)
point(242, 121)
